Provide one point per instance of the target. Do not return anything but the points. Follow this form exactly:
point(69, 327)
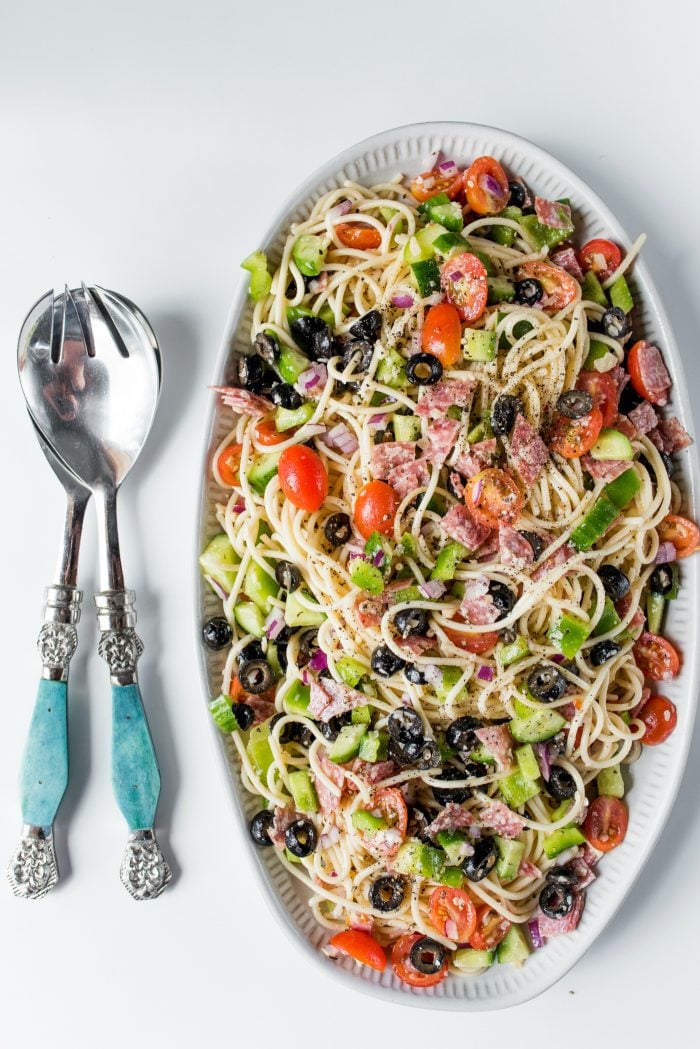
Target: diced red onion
point(490, 184)
point(448, 169)
point(354, 555)
point(534, 930)
point(404, 302)
point(543, 760)
point(485, 673)
point(216, 587)
point(451, 929)
point(378, 558)
point(316, 375)
point(274, 624)
point(341, 438)
point(329, 837)
point(377, 420)
point(318, 661)
point(239, 508)
point(455, 275)
point(478, 488)
point(340, 209)
point(558, 657)
point(432, 589)
point(665, 554)
point(306, 678)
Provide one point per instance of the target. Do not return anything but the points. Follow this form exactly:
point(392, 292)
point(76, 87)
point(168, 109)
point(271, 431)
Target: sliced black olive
point(216, 633)
point(562, 876)
point(405, 753)
point(285, 395)
point(668, 463)
point(414, 675)
point(427, 956)
point(615, 582)
point(260, 827)
point(445, 794)
point(557, 744)
point(281, 651)
point(602, 652)
point(418, 822)
point(244, 715)
point(308, 645)
point(267, 347)
point(252, 371)
point(300, 838)
point(324, 346)
point(615, 323)
point(287, 575)
point(536, 542)
point(502, 596)
point(475, 770)
point(337, 529)
point(528, 291)
point(629, 399)
point(546, 683)
point(253, 650)
point(256, 676)
point(429, 757)
point(360, 353)
point(293, 731)
point(384, 662)
point(575, 403)
point(556, 900)
point(460, 735)
point(387, 893)
point(303, 330)
point(330, 729)
point(518, 194)
point(661, 580)
point(404, 724)
point(423, 369)
point(411, 621)
point(508, 635)
point(503, 413)
point(482, 861)
point(561, 784)
point(368, 327)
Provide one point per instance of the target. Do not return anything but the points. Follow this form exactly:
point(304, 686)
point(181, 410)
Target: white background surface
point(146, 147)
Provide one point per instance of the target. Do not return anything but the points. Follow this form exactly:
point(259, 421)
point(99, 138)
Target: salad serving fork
point(90, 371)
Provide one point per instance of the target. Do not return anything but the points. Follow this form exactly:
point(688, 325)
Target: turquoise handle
point(135, 774)
point(44, 774)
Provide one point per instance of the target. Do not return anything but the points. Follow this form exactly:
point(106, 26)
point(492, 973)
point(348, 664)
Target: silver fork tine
point(57, 330)
point(85, 328)
point(103, 309)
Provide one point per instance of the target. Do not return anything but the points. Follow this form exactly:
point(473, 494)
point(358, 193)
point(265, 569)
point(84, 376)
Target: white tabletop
point(145, 148)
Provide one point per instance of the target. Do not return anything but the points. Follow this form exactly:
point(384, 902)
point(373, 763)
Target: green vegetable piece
point(377, 542)
point(291, 364)
point(406, 427)
point(303, 791)
point(289, 418)
point(444, 211)
point(452, 842)
point(260, 587)
point(374, 746)
point(422, 860)
point(260, 279)
point(367, 577)
point(568, 633)
point(596, 350)
point(367, 823)
point(219, 560)
point(510, 854)
point(426, 274)
point(500, 290)
point(595, 523)
point(621, 296)
point(542, 236)
point(262, 470)
point(259, 750)
point(537, 727)
point(391, 370)
point(623, 489)
point(447, 561)
point(561, 840)
point(506, 235)
point(222, 713)
point(296, 614)
point(309, 254)
point(592, 290)
point(467, 960)
point(350, 671)
point(409, 545)
point(516, 790)
point(249, 618)
point(361, 715)
point(560, 811)
point(347, 745)
point(513, 948)
point(608, 620)
point(479, 345)
point(294, 313)
point(527, 761)
point(656, 606)
point(611, 444)
point(298, 698)
point(676, 584)
point(516, 650)
point(450, 677)
point(610, 782)
point(452, 877)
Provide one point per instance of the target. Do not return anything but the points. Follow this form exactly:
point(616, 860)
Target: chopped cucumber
point(291, 418)
point(621, 296)
point(374, 746)
point(295, 614)
point(500, 290)
point(262, 470)
point(513, 948)
point(222, 713)
point(568, 633)
point(260, 279)
point(426, 274)
point(537, 727)
point(592, 290)
point(506, 235)
point(298, 698)
point(611, 444)
point(516, 790)
point(450, 244)
point(392, 369)
point(260, 587)
point(422, 860)
point(350, 671)
point(447, 561)
point(218, 561)
point(656, 606)
point(468, 960)
point(516, 650)
point(450, 677)
point(303, 791)
point(249, 618)
point(561, 840)
point(366, 576)
point(406, 427)
point(367, 823)
point(347, 745)
point(291, 364)
point(309, 254)
point(527, 761)
point(610, 782)
point(259, 750)
point(444, 211)
point(479, 345)
point(510, 854)
point(451, 876)
point(452, 843)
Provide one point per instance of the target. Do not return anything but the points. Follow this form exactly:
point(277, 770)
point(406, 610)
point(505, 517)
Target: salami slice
point(670, 436)
point(441, 434)
point(388, 456)
point(554, 214)
point(652, 372)
point(435, 400)
point(453, 817)
point(498, 741)
point(604, 469)
point(459, 525)
point(330, 698)
point(514, 548)
point(643, 417)
point(328, 799)
point(477, 605)
point(479, 457)
point(557, 926)
point(566, 258)
point(497, 816)
point(243, 401)
point(527, 451)
point(556, 560)
point(408, 477)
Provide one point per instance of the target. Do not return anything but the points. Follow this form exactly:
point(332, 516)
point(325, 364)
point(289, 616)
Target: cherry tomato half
point(430, 183)
point(358, 235)
point(572, 438)
point(601, 256)
point(228, 464)
point(477, 644)
point(641, 377)
point(660, 717)
point(463, 280)
point(656, 657)
point(360, 946)
point(268, 435)
point(603, 389)
point(684, 534)
point(303, 477)
point(605, 825)
point(560, 288)
point(491, 927)
point(486, 186)
point(453, 913)
point(401, 963)
point(493, 498)
point(375, 509)
point(442, 334)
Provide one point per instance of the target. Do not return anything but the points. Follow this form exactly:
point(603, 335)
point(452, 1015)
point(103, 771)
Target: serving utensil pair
point(90, 371)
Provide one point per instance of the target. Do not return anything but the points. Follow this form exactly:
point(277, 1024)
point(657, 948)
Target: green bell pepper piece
point(592, 290)
point(514, 651)
point(595, 523)
point(623, 489)
point(568, 633)
point(621, 296)
point(351, 672)
point(367, 577)
point(447, 561)
point(298, 698)
point(260, 279)
point(608, 620)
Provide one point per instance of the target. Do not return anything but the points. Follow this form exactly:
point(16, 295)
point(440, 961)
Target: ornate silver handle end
point(144, 872)
point(33, 870)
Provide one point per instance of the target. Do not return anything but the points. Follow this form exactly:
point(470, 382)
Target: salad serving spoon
point(94, 404)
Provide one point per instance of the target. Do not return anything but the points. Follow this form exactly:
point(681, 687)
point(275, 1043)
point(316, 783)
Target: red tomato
point(237, 694)
point(463, 280)
point(493, 498)
point(605, 825)
point(442, 334)
point(477, 644)
point(228, 464)
point(490, 929)
point(684, 534)
point(401, 963)
point(560, 288)
point(603, 389)
point(360, 946)
point(358, 235)
point(601, 256)
point(430, 183)
point(637, 378)
point(453, 913)
point(375, 509)
point(303, 477)
point(267, 434)
point(572, 438)
point(656, 657)
point(659, 716)
point(486, 186)
point(391, 805)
